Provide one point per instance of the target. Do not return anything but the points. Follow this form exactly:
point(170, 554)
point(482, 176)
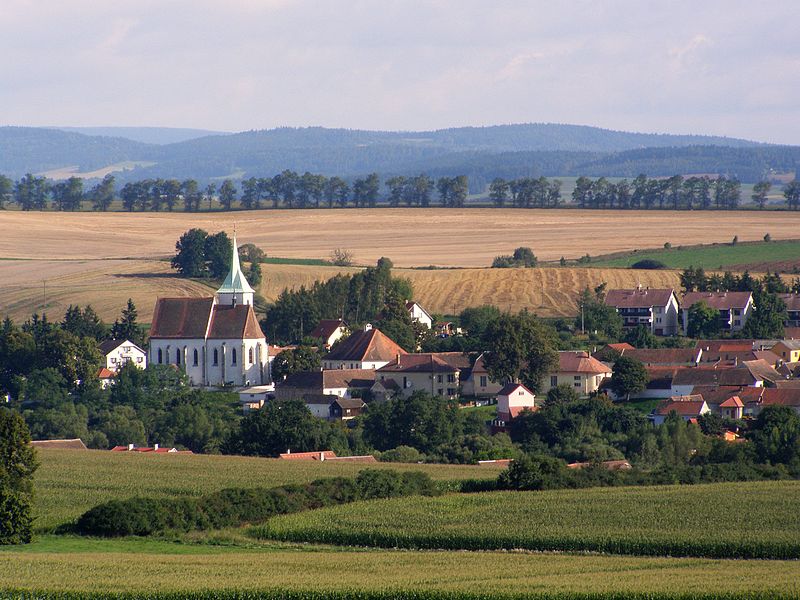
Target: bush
point(648, 263)
point(403, 454)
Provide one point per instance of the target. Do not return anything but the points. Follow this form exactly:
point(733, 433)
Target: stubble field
point(104, 259)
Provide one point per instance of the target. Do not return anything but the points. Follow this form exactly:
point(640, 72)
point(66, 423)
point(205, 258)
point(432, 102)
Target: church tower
point(235, 290)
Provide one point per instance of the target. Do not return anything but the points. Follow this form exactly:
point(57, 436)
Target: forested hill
point(481, 153)
point(147, 135)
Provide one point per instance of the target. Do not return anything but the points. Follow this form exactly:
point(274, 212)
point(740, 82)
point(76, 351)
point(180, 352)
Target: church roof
point(234, 322)
point(235, 282)
point(181, 318)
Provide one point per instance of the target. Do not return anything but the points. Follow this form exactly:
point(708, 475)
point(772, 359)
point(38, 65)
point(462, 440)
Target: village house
point(787, 350)
point(512, 400)
point(665, 357)
point(254, 397)
point(366, 349)
point(217, 341)
point(579, 370)
point(419, 314)
point(477, 382)
point(329, 331)
point(429, 372)
point(734, 308)
point(754, 373)
point(339, 383)
point(792, 302)
point(655, 309)
point(118, 353)
point(689, 408)
point(344, 409)
point(754, 399)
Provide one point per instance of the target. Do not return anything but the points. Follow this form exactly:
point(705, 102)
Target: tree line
point(290, 189)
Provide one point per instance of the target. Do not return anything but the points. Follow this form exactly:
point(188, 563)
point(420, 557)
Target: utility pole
point(44, 294)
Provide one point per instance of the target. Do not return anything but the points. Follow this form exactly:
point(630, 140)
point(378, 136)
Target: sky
point(725, 67)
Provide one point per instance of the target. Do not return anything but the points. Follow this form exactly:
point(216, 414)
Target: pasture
point(727, 520)
point(69, 482)
point(146, 567)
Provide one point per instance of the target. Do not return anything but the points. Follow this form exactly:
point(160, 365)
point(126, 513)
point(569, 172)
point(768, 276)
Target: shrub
point(341, 257)
point(403, 454)
point(648, 263)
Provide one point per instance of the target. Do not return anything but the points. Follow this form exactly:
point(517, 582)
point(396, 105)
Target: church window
point(233, 356)
point(160, 356)
point(178, 356)
point(216, 357)
point(195, 357)
point(250, 355)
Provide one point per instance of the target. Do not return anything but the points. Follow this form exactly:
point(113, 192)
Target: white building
point(734, 308)
point(419, 314)
point(119, 352)
point(367, 349)
point(216, 341)
point(655, 309)
point(512, 400)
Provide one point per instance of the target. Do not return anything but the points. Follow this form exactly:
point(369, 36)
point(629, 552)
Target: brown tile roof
point(326, 328)
point(660, 378)
point(105, 373)
point(792, 301)
point(725, 345)
point(762, 370)
point(72, 444)
point(664, 356)
point(684, 408)
point(181, 318)
point(350, 402)
point(580, 362)
point(321, 455)
point(781, 396)
point(708, 376)
point(718, 300)
point(388, 384)
point(319, 398)
point(331, 378)
point(638, 298)
point(275, 350)
point(791, 333)
point(237, 322)
point(791, 344)
point(418, 363)
point(107, 346)
point(371, 345)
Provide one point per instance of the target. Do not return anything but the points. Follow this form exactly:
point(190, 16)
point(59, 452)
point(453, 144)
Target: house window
point(484, 382)
point(138, 359)
point(736, 311)
point(216, 357)
point(113, 361)
point(577, 378)
point(178, 356)
point(160, 356)
point(233, 356)
point(451, 391)
point(451, 378)
point(439, 392)
point(250, 356)
point(553, 380)
point(737, 322)
point(438, 379)
point(194, 357)
point(405, 382)
point(577, 384)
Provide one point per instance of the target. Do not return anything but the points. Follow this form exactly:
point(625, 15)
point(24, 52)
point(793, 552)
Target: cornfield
point(730, 520)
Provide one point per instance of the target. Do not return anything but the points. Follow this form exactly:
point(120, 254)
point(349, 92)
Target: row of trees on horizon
point(289, 189)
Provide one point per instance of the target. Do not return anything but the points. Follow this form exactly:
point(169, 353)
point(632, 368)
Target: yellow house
point(788, 350)
point(579, 370)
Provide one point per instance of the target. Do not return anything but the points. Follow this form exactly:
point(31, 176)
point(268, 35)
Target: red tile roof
point(638, 298)
point(326, 328)
point(732, 402)
point(309, 455)
point(725, 345)
point(664, 356)
point(718, 300)
point(368, 346)
point(181, 318)
point(686, 408)
point(580, 362)
point(330, 378)
point(105, 373)
point(234, 322)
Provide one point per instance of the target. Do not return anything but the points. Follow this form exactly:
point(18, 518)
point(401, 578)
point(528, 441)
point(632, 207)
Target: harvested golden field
point(410, 237)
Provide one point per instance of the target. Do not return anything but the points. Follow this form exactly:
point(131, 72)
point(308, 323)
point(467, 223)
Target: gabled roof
point(580, 362)
point(325, 399)
point(70, 444)
point(792, 301)
point(781, 396)
point(321, 455)
point(349, 402)
point(664, 356)
point(725, 345)
point(234, 322)
point(684, 408)
point(510, 388)
point(709, 376)
point(370, 346)
point(326, 328)
point(418, 363)
point(332, 378)
point(732, 402)
point(388, 384)
point(181, 318)
point(762, 370)
point(639, 297)
point(718, 300)
point(107, 346)
point(105, 373)
point(791, 344)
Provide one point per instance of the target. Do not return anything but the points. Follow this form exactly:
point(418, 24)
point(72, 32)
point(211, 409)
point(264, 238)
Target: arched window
point(233, 356)
point(195, 357)
point(160, 356)
point(250, 355)
point(178, 356)
point(216, 357)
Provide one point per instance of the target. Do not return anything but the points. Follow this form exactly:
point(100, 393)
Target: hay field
point(410, 237)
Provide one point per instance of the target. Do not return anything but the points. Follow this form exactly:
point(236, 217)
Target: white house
point(329, 331)
point(734, 308)
point(254, 397)
point(217, 341)
point(579, 370)
point(655, 309)
point(512, 400)
point(367, 349)
point(419, 314)
point(119, 352)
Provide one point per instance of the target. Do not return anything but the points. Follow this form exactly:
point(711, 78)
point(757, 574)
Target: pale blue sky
point(714, 67)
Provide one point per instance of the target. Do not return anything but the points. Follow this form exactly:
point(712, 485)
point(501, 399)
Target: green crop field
point(715, 256)
point(69, 482)
point(746, 520)
point(108, 566)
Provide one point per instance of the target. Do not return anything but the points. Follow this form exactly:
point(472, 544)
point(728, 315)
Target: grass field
point(755, 256)
point(69, 482)
point(744, 520)
point(107, 566)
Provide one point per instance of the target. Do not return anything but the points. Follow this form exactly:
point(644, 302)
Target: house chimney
point(398, 359)
point(155, 446)
point(322, 456)
point(368, 327)
point(130, 447)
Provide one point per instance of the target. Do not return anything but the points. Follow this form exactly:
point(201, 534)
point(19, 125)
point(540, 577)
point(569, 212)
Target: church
point(217, 341)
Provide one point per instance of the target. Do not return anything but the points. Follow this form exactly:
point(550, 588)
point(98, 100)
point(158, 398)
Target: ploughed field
point(724, 520)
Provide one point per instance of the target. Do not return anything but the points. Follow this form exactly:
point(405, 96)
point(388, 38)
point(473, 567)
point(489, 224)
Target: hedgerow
point(237, 506)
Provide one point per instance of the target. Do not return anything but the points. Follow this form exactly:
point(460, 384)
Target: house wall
point(581, 382)
point(786, 353)
point(479, 384)
point(123, 354)
point(421, 316)
point(668, 316)
point(520, 398)
point(437, 384)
